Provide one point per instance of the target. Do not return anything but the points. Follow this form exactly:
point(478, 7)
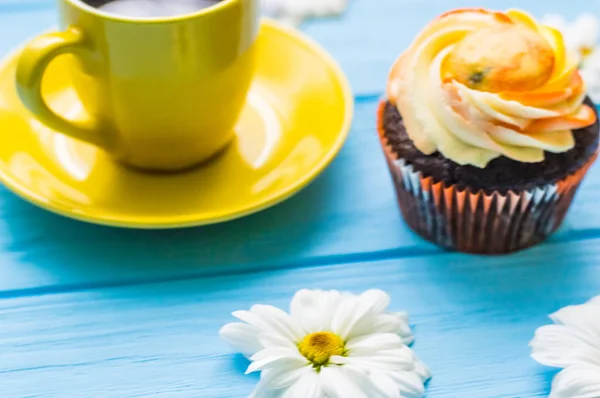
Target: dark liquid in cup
point(151, 8)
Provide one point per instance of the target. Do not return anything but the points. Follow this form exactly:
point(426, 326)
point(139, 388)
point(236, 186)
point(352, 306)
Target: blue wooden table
point(88, 311)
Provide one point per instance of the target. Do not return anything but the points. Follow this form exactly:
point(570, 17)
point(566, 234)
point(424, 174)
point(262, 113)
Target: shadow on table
point(543, 378)
point(519, 281)
point(239, 364)
point(501, 301)
point(71, 252)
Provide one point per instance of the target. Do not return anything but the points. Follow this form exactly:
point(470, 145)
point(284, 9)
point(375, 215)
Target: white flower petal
point(409, 383)
point(262, 391)
point(375, 342)
point(315, 309)
point(308, 386)
point(336, 384)
point(344, 315)
point(251, 319)
point(308, 307)
point(595, 300)
point(333, 301)
point(405, 331)
point(358, 362)
point(384, 323)
point(556, 21)
point(586, 26)
point(273, 340)
point(263, 388)
point(367, 384)
point(403, 316)
point(585, 318)
point(276, 357)
point(338, 360)
point(561, 346)
point(370, 304)
point(579, 381)
point(422, 371)
point(278, 321)
point(374, 301)
point(386, 385)
point(242, 337)
point(395, 360)
point(275, 352)
point(283, 378)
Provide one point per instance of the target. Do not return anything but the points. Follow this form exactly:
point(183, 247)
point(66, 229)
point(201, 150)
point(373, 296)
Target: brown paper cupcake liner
point(477, 221)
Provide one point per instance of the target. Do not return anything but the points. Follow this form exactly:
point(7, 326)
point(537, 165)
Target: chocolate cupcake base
point(476, 220)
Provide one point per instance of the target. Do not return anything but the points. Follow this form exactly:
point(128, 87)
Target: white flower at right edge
point(590, 72)
point(331, 345)
point(572, 343)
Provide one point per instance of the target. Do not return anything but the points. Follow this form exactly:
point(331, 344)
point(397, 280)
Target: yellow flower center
point(586, 51)
point(320, 346)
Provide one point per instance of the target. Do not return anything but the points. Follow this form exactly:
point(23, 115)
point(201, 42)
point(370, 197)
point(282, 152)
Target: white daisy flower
point(590, 71)
point(572, 343)
point(581, 35)
point(295, 11)
point(330, 345)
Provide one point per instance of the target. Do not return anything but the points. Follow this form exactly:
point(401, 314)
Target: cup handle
point(31, 67)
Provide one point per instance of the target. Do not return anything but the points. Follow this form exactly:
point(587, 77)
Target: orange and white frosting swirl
point(476, 84)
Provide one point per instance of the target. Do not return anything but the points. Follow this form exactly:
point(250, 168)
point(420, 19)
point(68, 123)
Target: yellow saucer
point(296, 119)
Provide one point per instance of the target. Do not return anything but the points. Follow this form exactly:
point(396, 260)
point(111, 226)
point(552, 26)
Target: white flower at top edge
point(590, 72)
point(581, 35)
point(572, 343)
point(295, 11)
point(331, 345)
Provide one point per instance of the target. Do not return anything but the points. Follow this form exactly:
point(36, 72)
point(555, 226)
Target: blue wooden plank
point(18, 27)
point(348, 215)
point(19, 6)
point(349, 210)
point(474, 315)
point(474, 318)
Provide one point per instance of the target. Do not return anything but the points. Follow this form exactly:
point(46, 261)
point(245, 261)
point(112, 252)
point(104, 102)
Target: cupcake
point(487, 131)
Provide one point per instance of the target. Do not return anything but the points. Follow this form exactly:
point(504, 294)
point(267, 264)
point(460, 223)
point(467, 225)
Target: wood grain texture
point(348, 214)
point(349, 211)
point(89, 311)
point(473, 321)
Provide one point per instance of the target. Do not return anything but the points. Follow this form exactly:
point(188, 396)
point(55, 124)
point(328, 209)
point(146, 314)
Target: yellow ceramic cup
point(158, 94)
